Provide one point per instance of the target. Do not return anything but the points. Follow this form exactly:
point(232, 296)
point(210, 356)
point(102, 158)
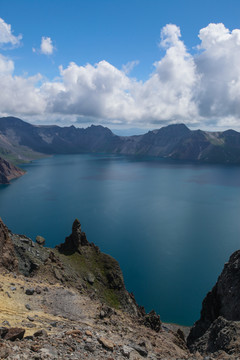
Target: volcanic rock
point(220, 304)
point(152, 320)
point(8, 171)
point(74, 242)
point(40, 240)
point(8, 259)
point(14, 334)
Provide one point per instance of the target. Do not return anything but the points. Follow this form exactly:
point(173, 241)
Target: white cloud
point(202, 88)
point(19, 95)
point(6, 36)
point(127, 68)
point(218, 65)
point(6, 65)
point(46, 47)
point(169, 92)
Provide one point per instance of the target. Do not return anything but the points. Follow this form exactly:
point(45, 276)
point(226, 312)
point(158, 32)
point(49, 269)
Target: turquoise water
point(171, 226)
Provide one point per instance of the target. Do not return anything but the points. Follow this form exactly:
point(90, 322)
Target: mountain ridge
point(21, 141)
point(174, 141)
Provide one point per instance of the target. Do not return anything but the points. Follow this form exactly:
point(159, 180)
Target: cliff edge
point(71, 303)
point(8, 171)
point(218, 328)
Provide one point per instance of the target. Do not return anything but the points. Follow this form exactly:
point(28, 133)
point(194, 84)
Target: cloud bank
point(201, 89)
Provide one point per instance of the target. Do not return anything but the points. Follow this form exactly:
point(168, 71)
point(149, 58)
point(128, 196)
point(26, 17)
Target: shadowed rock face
point(8, 258)
point(75, 241)
point(8, 171)
point(221, 301)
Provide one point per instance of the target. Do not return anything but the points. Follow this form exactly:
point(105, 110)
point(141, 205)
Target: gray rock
point(221, 301)
point(30, 318)
point(38, 290)
point(28, 307)
point(40, 240)
point(89, 347)
point(41, 332)
point(90, 278)
point(125, 350)
point(142, 351)
point(29, 291)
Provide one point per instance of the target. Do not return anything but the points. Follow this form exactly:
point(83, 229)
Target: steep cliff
point(71, 303)
point(8, 172)
point(8, 259)
point(219, 325)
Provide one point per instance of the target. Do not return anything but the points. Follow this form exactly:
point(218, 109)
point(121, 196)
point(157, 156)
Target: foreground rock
point(219, 324)
point(75, 241)
point(74, 305)
point(8, 259)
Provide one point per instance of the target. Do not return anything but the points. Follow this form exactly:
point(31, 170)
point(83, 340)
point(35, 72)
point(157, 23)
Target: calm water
point(171, 226)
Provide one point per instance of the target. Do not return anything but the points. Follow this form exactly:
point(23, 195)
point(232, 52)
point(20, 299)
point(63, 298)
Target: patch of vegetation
point(102, 266)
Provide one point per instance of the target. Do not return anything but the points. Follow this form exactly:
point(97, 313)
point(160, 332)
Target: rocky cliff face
point(71, 303)
point(220, 312)
point(8, 172)
point(8, 259)
point(75, 241)
point(78, 264)
point(77, 293)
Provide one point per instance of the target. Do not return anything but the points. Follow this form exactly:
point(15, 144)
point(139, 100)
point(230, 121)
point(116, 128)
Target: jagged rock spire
point(74, 242)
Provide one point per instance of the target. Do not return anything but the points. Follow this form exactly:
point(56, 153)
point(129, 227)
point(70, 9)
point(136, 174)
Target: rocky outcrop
point(222, 336)
point(8, 259)
point(220, 312)
point(8, 171)
point(75, 241)
point(152, 320)
point(76, 263)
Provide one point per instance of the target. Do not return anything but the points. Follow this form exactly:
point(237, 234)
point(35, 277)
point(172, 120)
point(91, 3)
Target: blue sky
point(142, 71)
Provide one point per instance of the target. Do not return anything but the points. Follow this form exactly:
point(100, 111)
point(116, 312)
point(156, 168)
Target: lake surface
point(171, 225)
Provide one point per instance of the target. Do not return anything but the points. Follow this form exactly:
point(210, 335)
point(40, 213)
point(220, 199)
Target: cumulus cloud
point(108, 93)
point(218, 65)
point(6, 35)
point(6, 65)
point(202, 89)
point(19, 95)
point(46, 47)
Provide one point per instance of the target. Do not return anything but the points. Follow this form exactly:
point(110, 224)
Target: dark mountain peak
point(13, 121)
point(99, 129)
point(231, 132)
point(174, 130)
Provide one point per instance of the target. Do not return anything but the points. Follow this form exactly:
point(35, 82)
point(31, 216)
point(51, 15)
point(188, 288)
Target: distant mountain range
point(21, 141)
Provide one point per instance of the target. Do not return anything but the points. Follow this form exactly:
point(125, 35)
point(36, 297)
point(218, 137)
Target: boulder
point(40, 240)
point(152, 320)
point(14, 334)
point(107, 344)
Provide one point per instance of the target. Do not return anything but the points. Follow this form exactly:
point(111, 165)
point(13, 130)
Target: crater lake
point(171, 225)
